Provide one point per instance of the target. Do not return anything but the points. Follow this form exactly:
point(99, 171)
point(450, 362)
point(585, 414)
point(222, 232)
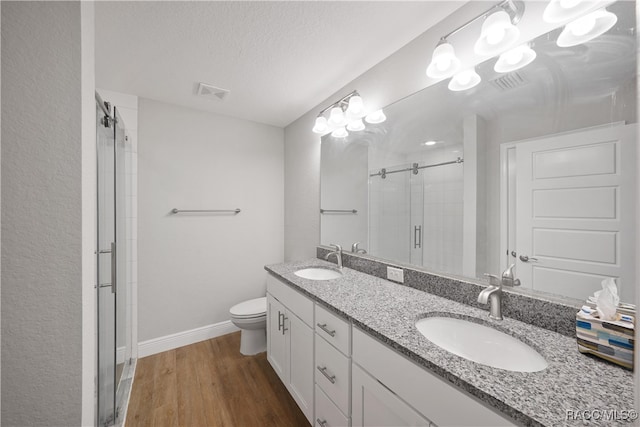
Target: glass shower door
point(113, 351)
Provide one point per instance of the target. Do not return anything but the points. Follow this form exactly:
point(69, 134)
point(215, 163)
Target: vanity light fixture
point(464, 80)
point(347, 111)
point(444, 62)
point(356, 125)
point(558, 11)
point(321, 126)
point(340, 132)
point(587, 28)
point(337, 117)
point(515, 59)
point(356, 106)
point(376, 117)
point(498, 34)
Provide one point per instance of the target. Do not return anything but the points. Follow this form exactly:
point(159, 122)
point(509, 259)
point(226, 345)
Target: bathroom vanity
point(349, 353)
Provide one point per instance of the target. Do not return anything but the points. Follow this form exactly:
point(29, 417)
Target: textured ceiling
point(278, 59)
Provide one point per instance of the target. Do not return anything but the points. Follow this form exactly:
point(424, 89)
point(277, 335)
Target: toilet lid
point(250, 308)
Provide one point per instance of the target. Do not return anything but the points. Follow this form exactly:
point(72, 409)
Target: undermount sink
point(318, 273)
point(481, 344)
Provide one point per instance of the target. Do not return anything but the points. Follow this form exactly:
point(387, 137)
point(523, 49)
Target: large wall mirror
point(535, 167)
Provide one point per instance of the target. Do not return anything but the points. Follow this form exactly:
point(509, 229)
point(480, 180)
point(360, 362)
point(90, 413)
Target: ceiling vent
point(212, 92)
point(509, 81)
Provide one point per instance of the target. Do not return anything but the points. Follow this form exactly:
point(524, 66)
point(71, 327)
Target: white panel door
point(576, 211)
point(375, 405)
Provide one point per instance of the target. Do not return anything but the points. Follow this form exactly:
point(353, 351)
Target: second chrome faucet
point(493, 294)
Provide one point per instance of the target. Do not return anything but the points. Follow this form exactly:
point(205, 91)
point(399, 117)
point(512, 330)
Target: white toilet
point(251, 317)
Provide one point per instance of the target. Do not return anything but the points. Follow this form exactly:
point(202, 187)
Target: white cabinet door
point(276, 339)
point(375, 405)
point(290, 352)
point(300, 337)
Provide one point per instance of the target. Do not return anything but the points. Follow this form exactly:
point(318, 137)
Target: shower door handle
point(417, 236)
point(114, 269)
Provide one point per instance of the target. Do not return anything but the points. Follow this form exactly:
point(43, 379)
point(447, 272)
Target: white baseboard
point(169, 342)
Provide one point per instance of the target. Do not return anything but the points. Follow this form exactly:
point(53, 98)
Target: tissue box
point(610, 340)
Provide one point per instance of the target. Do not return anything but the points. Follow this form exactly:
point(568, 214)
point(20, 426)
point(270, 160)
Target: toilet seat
point(254, 308)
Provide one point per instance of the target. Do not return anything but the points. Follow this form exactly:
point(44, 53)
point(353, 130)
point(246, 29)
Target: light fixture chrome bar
point(339, 102)
point(339, 210)
point(176, 211)
point(383, 172)
point(515, 10)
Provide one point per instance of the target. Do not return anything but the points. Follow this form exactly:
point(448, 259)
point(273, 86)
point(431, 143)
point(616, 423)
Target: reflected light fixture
point(515, 59)
point(464, 80)
point(356, 125)
point(587, 28)
point(340, 132)
point(376, 117)
point(498, 34)
point(347, 112)
point(444, 62)
point(429, 143)
point(558, 11)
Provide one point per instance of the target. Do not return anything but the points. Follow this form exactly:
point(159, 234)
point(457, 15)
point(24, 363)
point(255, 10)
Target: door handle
point(284, 318)
point(525, 258)
point(114, 269)
point(417, 236)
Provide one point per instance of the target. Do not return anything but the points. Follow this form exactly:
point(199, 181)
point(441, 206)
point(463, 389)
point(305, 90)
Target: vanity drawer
point(333, 328)
point(327, 413)
point(292, 299)
point(332, 373)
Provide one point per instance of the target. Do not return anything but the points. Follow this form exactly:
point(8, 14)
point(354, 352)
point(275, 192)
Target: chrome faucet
point(493, 294)
point(337, 253)
point(355, 250)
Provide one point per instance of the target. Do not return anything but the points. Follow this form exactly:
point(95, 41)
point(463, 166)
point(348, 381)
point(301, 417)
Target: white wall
point(44, 215)
point(89, 216)
point(344, 187)
point(193, 267)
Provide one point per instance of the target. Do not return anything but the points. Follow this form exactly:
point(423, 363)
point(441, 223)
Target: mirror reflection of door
point(574, 210)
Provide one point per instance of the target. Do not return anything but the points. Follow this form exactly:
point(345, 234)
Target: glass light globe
point(340, 132)
point(376, 117)
point(336, 118)
point(356, 125)
point(356, 106)
point(321, 125)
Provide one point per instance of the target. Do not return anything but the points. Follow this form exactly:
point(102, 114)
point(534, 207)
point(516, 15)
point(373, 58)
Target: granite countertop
point(388, 311)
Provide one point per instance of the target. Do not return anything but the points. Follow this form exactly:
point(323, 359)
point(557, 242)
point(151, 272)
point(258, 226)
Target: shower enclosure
point(415, 213)
point(113, 295)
